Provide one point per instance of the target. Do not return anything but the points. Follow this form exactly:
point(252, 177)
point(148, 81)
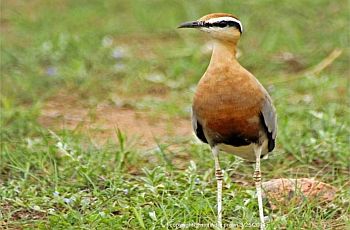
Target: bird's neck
point(224, 53)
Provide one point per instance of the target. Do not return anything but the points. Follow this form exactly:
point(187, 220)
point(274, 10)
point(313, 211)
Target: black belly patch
point(199, 133)
point(235, 140)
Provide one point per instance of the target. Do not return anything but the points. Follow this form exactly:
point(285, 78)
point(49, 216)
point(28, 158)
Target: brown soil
point(66, 111)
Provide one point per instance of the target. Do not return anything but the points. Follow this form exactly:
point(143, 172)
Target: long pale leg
point(219, 178)
point(257, 179)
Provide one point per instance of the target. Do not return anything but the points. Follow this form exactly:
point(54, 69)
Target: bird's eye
point(222, 24)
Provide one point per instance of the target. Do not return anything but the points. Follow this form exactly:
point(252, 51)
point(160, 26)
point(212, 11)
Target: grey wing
point(270, 121)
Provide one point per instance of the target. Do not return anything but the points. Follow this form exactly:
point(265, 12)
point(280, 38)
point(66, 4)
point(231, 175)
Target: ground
point(95, 114)
point(64, 112)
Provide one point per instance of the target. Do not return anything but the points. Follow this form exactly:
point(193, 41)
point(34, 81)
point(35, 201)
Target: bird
point(231, 110)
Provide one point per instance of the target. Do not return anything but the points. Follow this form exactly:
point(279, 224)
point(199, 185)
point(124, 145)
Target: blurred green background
point(74, 71)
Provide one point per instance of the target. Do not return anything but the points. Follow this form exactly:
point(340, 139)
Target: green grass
point(61, 179)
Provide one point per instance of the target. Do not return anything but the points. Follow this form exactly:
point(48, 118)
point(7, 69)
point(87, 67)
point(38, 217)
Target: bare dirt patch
point(286, 191)
point(101, 122)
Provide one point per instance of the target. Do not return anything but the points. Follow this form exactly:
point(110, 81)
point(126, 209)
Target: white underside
point(246, 152)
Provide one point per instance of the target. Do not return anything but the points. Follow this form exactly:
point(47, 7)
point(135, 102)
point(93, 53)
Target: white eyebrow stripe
point(213, 20)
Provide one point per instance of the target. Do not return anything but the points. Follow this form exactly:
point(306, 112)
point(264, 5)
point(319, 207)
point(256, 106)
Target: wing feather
point(268, 113)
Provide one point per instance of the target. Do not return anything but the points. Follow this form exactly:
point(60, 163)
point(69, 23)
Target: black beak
point(194, 24)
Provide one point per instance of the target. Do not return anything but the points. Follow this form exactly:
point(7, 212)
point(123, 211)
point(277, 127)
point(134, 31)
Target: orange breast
point(229, 105)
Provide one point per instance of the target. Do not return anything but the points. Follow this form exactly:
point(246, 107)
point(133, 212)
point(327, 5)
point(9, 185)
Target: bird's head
point(220, 26)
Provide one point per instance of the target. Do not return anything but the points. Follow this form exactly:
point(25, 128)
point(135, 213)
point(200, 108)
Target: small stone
point(197, 181)
point(102, 214)
point(119, 53)
point(36, 208)
point(56, 194)
point(153, 215)
point(107, 41)
point(67, 200)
